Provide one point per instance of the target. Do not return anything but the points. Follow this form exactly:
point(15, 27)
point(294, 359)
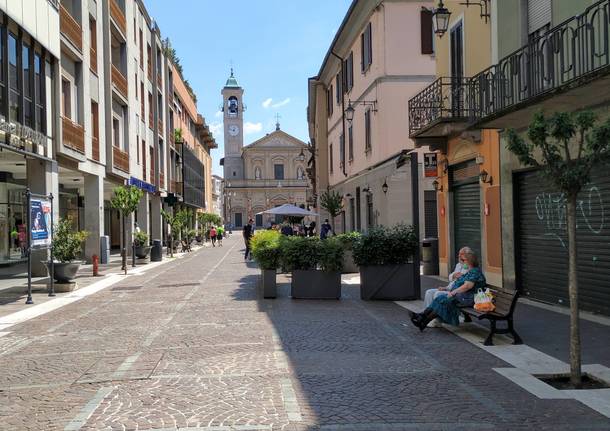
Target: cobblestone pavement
point(192, 345)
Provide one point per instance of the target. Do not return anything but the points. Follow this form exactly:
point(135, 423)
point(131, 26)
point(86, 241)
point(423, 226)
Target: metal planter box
point(268, 283)
point(63, 272)
point(391, 282)
point(314, 284)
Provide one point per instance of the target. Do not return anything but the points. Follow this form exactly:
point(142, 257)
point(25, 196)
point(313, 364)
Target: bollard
point(96, 264)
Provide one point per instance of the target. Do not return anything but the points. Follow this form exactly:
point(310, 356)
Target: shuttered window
point(330, 158)
point(366, 48)
point(329, 100)
point(341, 150)
point(538, 14)
point(350, 143)
point(338, 88)
point(367, 130)
point(348, 73)
point(427, 33)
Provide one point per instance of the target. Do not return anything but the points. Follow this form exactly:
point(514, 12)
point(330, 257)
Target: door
point(430, 216)
point(466, 207)
point(541, 251)
point(238, 220)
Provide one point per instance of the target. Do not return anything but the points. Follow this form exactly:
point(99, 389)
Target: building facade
point(217, 197)
point(358, 116)
point(266, 173)
point(439, 117)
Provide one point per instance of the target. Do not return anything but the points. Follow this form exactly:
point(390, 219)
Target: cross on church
point(277, 121)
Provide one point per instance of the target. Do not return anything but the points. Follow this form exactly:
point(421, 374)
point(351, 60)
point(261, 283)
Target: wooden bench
point(505, 301)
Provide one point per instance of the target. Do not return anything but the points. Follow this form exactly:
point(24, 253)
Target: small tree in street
point(568, 146)
point(332, 202)
point(126, 200)
point(177, 222)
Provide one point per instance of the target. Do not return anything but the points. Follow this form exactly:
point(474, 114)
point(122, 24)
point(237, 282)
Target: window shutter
point(427, 46)
point(538, 14)
point(370, 43)
point(363, 50)
point(350, 69)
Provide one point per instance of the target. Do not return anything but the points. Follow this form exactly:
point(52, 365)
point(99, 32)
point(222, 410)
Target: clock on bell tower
point(233, 119)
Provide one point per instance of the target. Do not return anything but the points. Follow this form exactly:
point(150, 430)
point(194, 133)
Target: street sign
point(40, 225)
point(430, 165)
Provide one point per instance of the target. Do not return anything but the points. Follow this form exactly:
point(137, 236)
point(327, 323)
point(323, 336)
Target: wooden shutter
point(369, 31)
point(427, 45)
point(363, 49)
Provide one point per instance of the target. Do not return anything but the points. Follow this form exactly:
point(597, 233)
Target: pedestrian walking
point(326, 230)
point(219, 234)
point(213, 234)
point(247, 233)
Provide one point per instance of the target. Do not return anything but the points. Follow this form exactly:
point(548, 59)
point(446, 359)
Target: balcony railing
point(70, 28)
point(446, 99)
point(73, 135)
point(119, 80)
point(118, 16)
point(568, 55)
point(267, 183)
point(95, 148)
point(120, 159)
point(93, 60)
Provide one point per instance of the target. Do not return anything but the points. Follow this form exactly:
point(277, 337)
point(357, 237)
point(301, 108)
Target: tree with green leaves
point(126, 199)
point(332, 202)
point(177, 222)
point(566, 147)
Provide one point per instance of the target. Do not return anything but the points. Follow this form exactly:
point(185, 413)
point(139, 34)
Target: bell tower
point(233, 119)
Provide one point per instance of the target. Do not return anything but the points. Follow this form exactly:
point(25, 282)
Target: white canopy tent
point(290, 211)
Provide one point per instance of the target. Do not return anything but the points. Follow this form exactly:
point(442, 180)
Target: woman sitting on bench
point(447, 307)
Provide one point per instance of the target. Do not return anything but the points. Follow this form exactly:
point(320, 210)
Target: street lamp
point(349, 111)
point(384, 187)
point(301, 157)
point(441, 19)
point(485, 178)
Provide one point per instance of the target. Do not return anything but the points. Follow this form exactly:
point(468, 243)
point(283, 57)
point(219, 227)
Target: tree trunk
point(124, 257)
point(575, 359)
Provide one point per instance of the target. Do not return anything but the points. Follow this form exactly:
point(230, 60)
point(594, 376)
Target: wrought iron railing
point(576, 50)
point(446, 99)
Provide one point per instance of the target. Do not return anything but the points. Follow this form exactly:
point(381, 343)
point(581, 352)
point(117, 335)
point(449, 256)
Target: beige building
point(267, 173)
point(358, 116)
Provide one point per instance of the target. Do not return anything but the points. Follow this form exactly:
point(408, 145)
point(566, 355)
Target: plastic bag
point(483, 300)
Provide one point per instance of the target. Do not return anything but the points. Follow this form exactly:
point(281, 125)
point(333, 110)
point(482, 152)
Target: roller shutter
point(542, 258)
point(466, 207)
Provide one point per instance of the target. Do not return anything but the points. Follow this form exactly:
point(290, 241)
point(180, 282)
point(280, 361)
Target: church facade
point(267, 173)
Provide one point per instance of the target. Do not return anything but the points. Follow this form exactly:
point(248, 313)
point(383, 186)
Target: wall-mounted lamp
point(485, 178)
point(385, 187)
point(301, 156)
point(349, 111)
point(441, 19)
point(437, 186)
point(366, 189)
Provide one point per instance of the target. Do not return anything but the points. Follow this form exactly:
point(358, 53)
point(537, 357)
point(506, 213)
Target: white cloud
point(218, 114)
point(215, 128)
point(268, 103)
point(284, 102)
point(250, 128)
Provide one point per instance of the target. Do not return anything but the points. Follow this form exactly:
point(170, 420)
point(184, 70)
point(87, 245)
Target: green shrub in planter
point(347, 240)
point(385, 257)
point(386, 245)
point(265, 247)
point(67, 243)
point(331, 255)
point(140, 238)
point(299, 253)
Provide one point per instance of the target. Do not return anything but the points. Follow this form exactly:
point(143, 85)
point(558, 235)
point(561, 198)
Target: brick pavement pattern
point(193, 345)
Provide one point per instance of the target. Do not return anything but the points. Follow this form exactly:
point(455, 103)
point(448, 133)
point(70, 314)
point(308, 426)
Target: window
point(348, 72)
point(329, 100)
point(149, 54)
point(66, 97)
point(144, 159)
point(93, 33)
point(28, 115)
point(278, 171)
point(150, 110)
point(142, 109)
point(141, 50)
point(14, 90)
point(95, 121)
point(116, 132)
point(330, 158)
point(39, 92)
point(367, 130)
point(427, 32)
point(238, 220)
point(352, 212)
point(339, 89)
point(341, 150)
point(358, 224)
point(259, 220)
point(161, 157)
point(366, 48)
point(350, 143)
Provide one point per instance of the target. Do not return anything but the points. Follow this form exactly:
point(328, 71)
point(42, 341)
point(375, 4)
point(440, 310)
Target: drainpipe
point(342, 110)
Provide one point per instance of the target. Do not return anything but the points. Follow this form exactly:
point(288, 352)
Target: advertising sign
point(40, 222)
point(430, 165)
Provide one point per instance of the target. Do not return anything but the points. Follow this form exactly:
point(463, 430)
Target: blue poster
point(40, 222)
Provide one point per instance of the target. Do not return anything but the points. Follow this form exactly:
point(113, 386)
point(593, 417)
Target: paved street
point(190, 344)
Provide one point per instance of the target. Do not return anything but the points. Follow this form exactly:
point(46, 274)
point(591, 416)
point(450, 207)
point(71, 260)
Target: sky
point(273, 45)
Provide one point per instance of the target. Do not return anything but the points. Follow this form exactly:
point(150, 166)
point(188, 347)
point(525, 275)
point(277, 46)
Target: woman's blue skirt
point(447, 309)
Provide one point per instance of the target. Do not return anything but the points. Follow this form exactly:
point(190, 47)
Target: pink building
point(380, 57)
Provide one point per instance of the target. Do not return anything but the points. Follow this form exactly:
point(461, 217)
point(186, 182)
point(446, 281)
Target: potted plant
point(315, 266)
point(140, 240)
point(347, 240)
point(265, 247)
point(67, 248)
point(385, 257)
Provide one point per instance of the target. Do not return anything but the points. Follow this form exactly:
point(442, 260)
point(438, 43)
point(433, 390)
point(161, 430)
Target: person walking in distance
point(248, 232)
point(326, 230)
point(219, 234)
point(213, 234)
